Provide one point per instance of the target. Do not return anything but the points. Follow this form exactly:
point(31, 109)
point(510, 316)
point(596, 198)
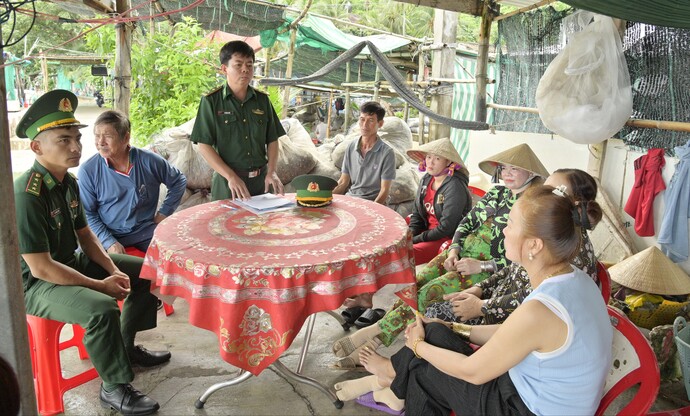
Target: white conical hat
point(650, 271)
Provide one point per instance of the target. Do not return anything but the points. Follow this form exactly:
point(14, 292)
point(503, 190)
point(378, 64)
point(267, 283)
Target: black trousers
point(429, 391)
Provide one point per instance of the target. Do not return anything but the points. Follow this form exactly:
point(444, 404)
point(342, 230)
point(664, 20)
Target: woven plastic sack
point(682, 337)
point(585, 95)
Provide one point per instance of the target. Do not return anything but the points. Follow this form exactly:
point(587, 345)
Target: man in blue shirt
point(120, 187)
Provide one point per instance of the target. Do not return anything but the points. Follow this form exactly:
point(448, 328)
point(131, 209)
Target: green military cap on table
point(314, 190)
point(54, 109)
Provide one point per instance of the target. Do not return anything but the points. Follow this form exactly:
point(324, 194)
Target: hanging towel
point(673, 235)
point(648, 183)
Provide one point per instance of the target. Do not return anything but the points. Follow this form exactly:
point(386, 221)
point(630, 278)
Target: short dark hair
point(372, 107)
point(117, 119)
point(236, 47)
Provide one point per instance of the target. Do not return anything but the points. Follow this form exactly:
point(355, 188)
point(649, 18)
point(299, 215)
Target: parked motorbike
point(100, 100)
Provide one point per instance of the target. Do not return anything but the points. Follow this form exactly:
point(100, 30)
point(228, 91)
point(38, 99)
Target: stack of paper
point(262, 204)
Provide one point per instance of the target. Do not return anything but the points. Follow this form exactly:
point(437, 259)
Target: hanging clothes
point(648, 183)
point(673, 235)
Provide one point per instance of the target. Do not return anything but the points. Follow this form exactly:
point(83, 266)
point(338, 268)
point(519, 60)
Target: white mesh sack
point(585, 95)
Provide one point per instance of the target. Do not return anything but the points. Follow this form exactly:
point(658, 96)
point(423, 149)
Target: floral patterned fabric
point(479, 236)
point(254, 279)
point(507, 288)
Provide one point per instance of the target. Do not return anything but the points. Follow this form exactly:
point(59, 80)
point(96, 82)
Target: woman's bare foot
point(351, 389)
point(377, 365)
point(364, 300)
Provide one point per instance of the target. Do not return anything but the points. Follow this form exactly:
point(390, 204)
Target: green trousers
point(220, 190)
point(108, 332)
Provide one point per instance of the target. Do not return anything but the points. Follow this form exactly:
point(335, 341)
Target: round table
point(254, 279)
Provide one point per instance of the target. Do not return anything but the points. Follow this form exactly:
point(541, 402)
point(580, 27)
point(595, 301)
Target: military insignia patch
point(54, 213)
point(440, 198)
point(258, 112)
point(74, 204)
point(65, 105)
point(34, 185)
point(313, 187)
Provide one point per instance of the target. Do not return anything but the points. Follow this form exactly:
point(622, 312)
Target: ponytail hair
point(552, 215)
point(584, 191)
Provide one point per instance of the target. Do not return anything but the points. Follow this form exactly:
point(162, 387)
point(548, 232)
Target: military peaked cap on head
point(314, 190)
point(52, 110)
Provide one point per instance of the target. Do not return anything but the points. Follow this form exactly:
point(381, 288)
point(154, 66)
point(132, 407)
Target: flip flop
point(367, 400)
point(369, 317)
point(350, 315)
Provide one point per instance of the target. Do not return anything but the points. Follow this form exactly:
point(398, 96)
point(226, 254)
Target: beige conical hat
point(650, 271)
point(441, 147)
point(520, 156)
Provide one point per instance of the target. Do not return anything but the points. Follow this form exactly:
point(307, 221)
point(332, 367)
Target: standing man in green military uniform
point(79, 288)
point(237, 130)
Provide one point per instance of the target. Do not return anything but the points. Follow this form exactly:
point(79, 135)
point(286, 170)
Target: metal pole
point(14, 342)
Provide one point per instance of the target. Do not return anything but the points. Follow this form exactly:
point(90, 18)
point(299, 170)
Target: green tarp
point(671, 13)
point(322, 34)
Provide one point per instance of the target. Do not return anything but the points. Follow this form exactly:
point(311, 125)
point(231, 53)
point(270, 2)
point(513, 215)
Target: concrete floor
point(196, 365)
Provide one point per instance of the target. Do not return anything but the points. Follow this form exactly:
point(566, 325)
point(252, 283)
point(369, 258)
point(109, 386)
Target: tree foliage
point(170, 70)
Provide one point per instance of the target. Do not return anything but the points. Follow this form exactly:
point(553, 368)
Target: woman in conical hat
point(551, 357)
point(476, 253)
point(442, 197)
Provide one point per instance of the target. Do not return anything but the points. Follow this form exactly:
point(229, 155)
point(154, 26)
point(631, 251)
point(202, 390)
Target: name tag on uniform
point(222, 113)
point(258, 112)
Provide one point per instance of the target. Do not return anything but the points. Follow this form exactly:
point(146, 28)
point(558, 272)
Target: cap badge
point(65, 105)
point(313, 187)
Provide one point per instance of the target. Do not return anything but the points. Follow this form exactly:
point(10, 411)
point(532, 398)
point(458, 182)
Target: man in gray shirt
point(369, 164)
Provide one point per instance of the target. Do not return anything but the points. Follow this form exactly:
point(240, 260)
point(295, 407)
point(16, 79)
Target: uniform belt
point(253, 173)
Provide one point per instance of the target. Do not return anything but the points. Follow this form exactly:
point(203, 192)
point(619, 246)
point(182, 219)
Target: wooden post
point(123, 60)
point(377, 86)
point(346, 123)
point(14, 342)
point(267, 66)
point(330, 109)
point(152, 22)
point(482, 62)
point(44, 71)
point(443, 66)
point(288, 71)
point(406, 108)
point(420, 77)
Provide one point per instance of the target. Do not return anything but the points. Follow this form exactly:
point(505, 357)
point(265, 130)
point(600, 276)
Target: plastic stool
point(133, 251)
point(45, 345)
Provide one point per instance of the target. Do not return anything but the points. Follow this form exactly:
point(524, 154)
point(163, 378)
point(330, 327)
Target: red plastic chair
point(133, 251)
point(479, 192)
point(633, 363)
point(604, 282)
point(45, 346)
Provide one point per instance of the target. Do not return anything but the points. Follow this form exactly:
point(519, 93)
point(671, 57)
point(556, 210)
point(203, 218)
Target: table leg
point(308, 381)
point(244, 375)
point(307, 338)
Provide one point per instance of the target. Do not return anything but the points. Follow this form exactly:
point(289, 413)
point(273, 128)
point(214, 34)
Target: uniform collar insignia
point(74, 203)
point(440, 198)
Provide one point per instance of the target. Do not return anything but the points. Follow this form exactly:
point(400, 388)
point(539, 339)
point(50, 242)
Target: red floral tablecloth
point(254, 280)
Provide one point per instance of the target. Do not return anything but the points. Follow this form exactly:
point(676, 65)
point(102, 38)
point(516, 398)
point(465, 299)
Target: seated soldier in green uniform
point(79, 287)
point(237, 130)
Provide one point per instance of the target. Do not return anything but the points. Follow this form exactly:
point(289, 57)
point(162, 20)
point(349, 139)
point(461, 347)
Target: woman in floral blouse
point(492, 300)
point(476, 252)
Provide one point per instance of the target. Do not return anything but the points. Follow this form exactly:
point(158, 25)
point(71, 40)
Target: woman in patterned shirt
point(492, 300)
point(476, 252)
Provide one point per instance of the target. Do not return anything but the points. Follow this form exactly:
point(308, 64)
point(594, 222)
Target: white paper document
point(262, 204)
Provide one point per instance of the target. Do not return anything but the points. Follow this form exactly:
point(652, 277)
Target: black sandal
point(369, 318)
point(350, 315)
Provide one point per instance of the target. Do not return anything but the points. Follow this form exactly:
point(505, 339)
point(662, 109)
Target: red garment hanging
point(648, 183)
